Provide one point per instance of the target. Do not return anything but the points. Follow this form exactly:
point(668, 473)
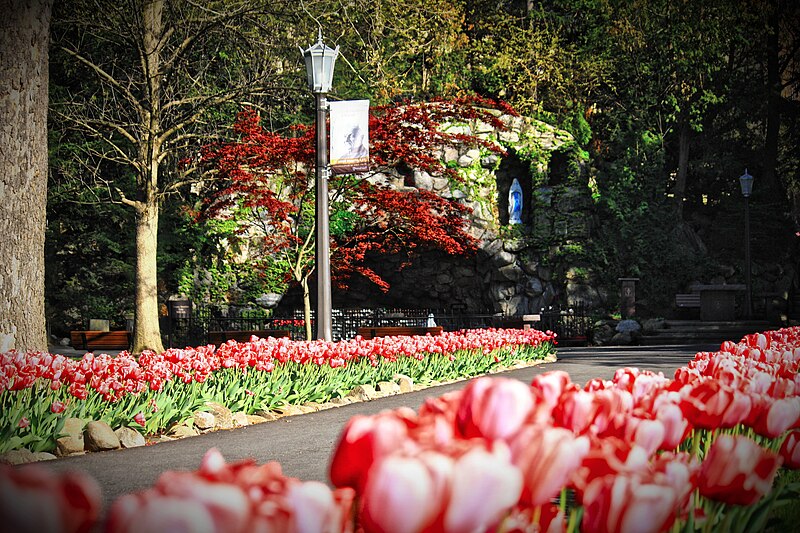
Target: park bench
point(388, 331)
point(219, 337)
point(688, 301)
point(92, 340)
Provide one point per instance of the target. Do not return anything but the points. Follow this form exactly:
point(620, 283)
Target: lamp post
point(746, 182)
point(320, 60)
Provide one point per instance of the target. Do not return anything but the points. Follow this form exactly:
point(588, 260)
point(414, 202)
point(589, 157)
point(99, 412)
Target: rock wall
point(518, 269)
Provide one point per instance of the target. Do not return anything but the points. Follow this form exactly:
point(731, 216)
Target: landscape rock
point(289, 410)
point(388, 387)
point(98, 436)
point(17, 457)
point(623, 338)
point(240, 419)
point(256, 419)
point(72, 441)
point(342, 401)
point(222, 415)
point(203, 420)
point(363, 393)
point(43, 456)
point(628, 326)
point(129, 437)
point(181, 431)
point(266, 415)
point(405, 383)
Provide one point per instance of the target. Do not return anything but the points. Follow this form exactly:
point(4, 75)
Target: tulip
point(23, 422)
point(33, 499)
point(401, 496)
point(485, 485)
point(790, 450)
point(628, 503)
point(709, 404)
point(139, 419)
point(493, 408)
point(771, 418)
point(365, 440)
point(57, 407)
point(737, 471)
point(547, 458)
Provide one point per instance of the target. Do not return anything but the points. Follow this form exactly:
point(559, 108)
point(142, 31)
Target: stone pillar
point(628, 297)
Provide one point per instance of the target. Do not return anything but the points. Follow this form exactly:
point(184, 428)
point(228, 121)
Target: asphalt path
point(303, 444)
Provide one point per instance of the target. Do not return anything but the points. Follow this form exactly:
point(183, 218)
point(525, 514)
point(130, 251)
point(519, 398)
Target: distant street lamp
point(320, 60)
point(746, 181)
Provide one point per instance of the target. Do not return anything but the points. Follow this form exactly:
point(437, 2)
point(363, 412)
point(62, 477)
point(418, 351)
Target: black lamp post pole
point(748, 298)
point(323, 257)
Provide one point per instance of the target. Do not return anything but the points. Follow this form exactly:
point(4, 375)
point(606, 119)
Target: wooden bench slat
point(688, 300)
point(388, 331)
point(90, 340)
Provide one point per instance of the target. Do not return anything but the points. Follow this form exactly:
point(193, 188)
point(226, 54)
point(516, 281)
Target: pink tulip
point(549, 386)
point(575, 411)
point(547, 458)
point(524, 520)
point(737, 470)
point(139, 419)
point(493, 408)
point(485, 485)
point(400, 496)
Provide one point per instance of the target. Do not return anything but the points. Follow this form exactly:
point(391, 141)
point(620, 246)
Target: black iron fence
point(192, 326)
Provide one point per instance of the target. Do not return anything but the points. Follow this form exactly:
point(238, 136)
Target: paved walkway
point(303, 444)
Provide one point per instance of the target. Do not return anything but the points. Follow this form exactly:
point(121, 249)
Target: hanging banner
point(349, 136)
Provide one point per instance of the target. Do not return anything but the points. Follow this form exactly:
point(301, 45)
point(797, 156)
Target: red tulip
point(33, 499)
point(709, 404)
point(737, 470)
point(139, 419)
point(628, 503)
point(23, 422)
point(493, 408)
point(57, 407)
point(771, 418)
point(790, 450)
point(366, 439)
point(610, 456)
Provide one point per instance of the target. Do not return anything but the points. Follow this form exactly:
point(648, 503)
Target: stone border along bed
point(99, 436)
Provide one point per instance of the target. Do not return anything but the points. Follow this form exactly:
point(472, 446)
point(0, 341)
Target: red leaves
point(265, 178)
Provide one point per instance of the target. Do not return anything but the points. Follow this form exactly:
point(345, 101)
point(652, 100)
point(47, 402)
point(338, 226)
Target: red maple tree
point(267, 179)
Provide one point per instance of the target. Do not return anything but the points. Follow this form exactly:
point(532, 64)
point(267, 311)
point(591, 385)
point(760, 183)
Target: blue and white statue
point(515, 203)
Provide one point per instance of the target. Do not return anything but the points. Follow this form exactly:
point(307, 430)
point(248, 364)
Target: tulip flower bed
point(710, 450)
point(38, 391)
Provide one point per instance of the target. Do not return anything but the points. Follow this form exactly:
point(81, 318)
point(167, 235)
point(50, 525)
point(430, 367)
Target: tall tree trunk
point(683, 168)
point(147, 333)
point(773, 126)
point(24, 37)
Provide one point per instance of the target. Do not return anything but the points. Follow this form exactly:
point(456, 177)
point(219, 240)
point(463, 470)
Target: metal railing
point(191, 329)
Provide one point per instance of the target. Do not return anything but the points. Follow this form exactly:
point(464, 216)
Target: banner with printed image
point(349, 136)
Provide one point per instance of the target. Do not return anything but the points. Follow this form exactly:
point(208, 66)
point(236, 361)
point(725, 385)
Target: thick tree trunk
point(147, 333)
point(24, 36)
point(683, 169)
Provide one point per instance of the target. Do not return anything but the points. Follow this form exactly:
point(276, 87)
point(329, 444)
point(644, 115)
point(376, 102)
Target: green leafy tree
point(142, 83)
